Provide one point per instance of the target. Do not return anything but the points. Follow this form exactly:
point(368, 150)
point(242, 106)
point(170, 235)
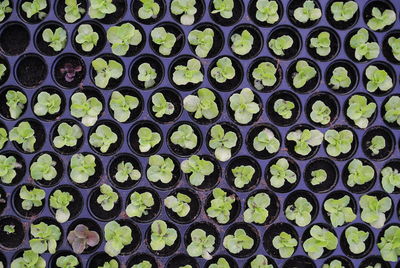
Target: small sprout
point(4, 9)
point(221, 206)
point(304, 73)
point(320, 239)
point(224, 8)
point(242, 43)
point(117, 237)
point(3, 70)
point(57, 39)
point(161, 106)
point(9, 229)
point(114, 264)
point(140, 203)
point(223, 71)
point(243, 175)
point(122, 37)
point(45, 237)
point(392, 110)
point(389, 244)
point(3, 137)
point(147, 75)
point(344, 11)
point(47, 104)
point(378, 79)
point(257, 208)
point(318, 176)
point(338, 211)
point(160, 169)
point(107, 198)
point(164, 39)
point(244, 106)
point(280, 44)
point(356, 239)
point(185, 8)
point(24, 135)
point(178, 204)
point(161, 235)
point(260, 262)
point(284, 108)
point(81, 238)
point(143, 264)
point(339, 142)
point(86, 108)
point(333, 264)
point(380, 19)
point(394, 43)
point(221, 263)
point(82, 167)
point(185, 137)
point(147, 139)
point(359, 173)
point(29, 259)
point(285, 243)
point(377, 143)
point(105, 71)
point(222, 142)
point(199, 168)
point(67, 135)
point(72, 11)
point(126, 171)
point(373, 210)
point(305, 139)
point(390, 179)
point(322, 43)
point(8, 164)
point(100, 8)
point(264, 75)
point(265, 140)
point(15, 101)
point(122, 105)
point(267, 11)
point(308, 12)
point(60, 201)
point(191, 73)
point(340, 78)
point(35, 8)
point(70, 71)
point(31, 198)
point(320, 113)
point(300, 212)
point(201, 245)
point(69, 261)
point(202, 105)
point(363, 48)
point(203, 40)
point(87, 37)
point(280, 173)
point(238, 241)
point(149, 9)
point(103, 138)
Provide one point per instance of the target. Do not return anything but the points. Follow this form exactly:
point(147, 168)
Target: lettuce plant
point(82, 167)
point(107, 198)
point(15, 101)
point(373, 210)
point(86, 37)
point(339, 78)
point(3, 70)
point(29, 259)
point(114, 264)
point(67, 135)
point(45, 237)
point(333, 264)
point(140, 203)
point(221, 263)
point(260, 262)
point(224, 8)
point(242, 175)
point(125, 171)
point(186, 9)
point(389, 244)
point(161, 106)
point(284, 108)
point(147, 139)
point(164, 39)
point(363, 48)
point(304, 73)
point(359, 173)
point(201, 245)
point(377, 143)
point(223, 70)
point(122, 105)
point(81, 238)
point(360, 111)
point(299, 212)
point(199, 169)
point(202, 105)
point(72, 11)
point(178, 204)
point(160, 169)
point(356, 239)
point(343, 11)
point(161, 235)
point(99, 9)
point(88, 109)
point(320, 113)
point(394, 43)
point(147, 75)
point(320, 239)
point(305, 139)
point(8, 166)
point(57, 39)
point(31, 198)
point(203, 40)
point(285, 244)
point(103, 138)
point(380, 19)
point(4, 9)
point(60, 201)
point(339, 142)
point(244, 106)
point(390, 179)
point(222, 142)
point(392, 110)
point(318, 176)
point(122, 37)
point(308, 12)
point(281, 173)
point(242, 43)
point(185, 137)
point(9, 229)
point(322, 43)
point(191, 73)
point(117, 237)
point(267, 11)
point(105, 71)
point(35, 8)
point(238, 241)
point(278, 45)
point(3, 137)
point(24, 135)
point(264, 75)
point(47, 104)
point(257, 211)
point(265, 140)
point(378, 79)
point(338, 211)
point(69, 261)
point(221, 206)
point(149, 9)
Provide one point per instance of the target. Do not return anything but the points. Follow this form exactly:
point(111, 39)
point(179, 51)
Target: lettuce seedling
point(57, 39)
point(45, 237)
point(122, 105)
point(224, 8)
point(60, 201)
point(343, 11)
point(114, 264)
point(305, 139)
point(380, 19)
point(34, 8)
point(86, 37)
point(185, 137)
point(322, 43)
point(339, 142)
point(333, 264)
point(31, 198)
point(81, 238)
point(285, 244)
point(278, 45)
point(223, 70)
point(103, 138)
point(4, 9)
point(304, 73)
point(140, 203)
point(161, 235)
point(185, 8)
point(191, 73)
point(147, 75)
point(221, 263)
point(29, 259)
point(82, 167)
point(100, 8)
point(320, 113)
point(340, 78)
point(284, 108)
point(390, 179)
point(221, 206)
point(265, 140)
point(363, 48)
point(178, 204)
point(67, 135)
point(201, 245)
point(147, 139)
point(117, 237)
point(389, 245)
point(373, 210)
point(238, 241)
point(257, 208)
point(242, 43)
point(280, 173)
point(15, 101)
point(338, 211)
point(105, 71)
point(267, 11)
point(378, 79)
point(202, 105)
point(222, 142)
point(359, 173)
point(299, 211)
point(394, 43)
point(107, 198)
point(43, 168)
point(85, 108)
point(203, 40)
point(72, 11)
point(143, 264)
point(161, 106)
point(24, 135)
point(320, 239)
point(3, 137)
point(243, 175)
point(8, 164)
point(244, 106)
point(360, 111)
point(126, 171)
point(47, 104)
point(392, 110)
point(356, 239)
point(3, 70)
point(164, 39)
point(9, 229)
point(122, 37)
point(264, 75)
point(160, 169)
point(318, 176)
point(308, 12)
point(199, 168)
point(69, 261)
point(70, 71)
point(149, 9)
point(260, 262)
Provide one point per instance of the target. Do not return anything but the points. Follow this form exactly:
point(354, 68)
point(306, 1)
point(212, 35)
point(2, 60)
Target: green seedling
point(203, 40)
point(320, 113)
point(4, 9)
point(266, 140)
point(338, 211)
point(69, 261)
point(318, 176)
point(373, 210)
point(202, 105)
point(107, 198)
point(106, 71)
point(359, 173)
point(186, 9)
point(72, 11)
point(47, 104)
point(9, 229)
point(149, 9)
point(223, 70)
point(381, 19)
point(147, 75)
point(3, 137)
point(99, 9)
point(199, 169)
point(67, 135)
point(340, 78)
point(143, 264)
point(378, 79)
point(389, 244)
point(390, 179)
point(191, 73)
point(244, 106)
point(284, 108)
point(238, 241)
point(305, 139)
point(8, 166)
point(257, 208)
point(114, 264)
point(86, 37)
point(320, 239)
point(243, 175)
point(126, 171)
point(161, 235)
point(60, 201)
point(179, 204)
point(140, 204)
point(15, 100)
point(363, 48)
point(44, 238)
point(161, 106)
point(322, 43)
point(308, 12)
point(304, 73)
point(117, 237)
point(267, 11)
point(29, 259)
point(360, 111)
point(394, 43)
point(122, 105)
point(31, 198)
point(333, 264)
point(164, 39)
point(392, 110)
point(202, 244)
point(160, 169)
point(35, 8)
point(356, 239)
point(3, 70)
point(57, 39)
point(280, 173)
point(260, 262)
point(280, 44)
point(221, 206)
point(242, 43)
point(221, 263)
point(82, 238)
point(344, 11)
point(339, 142)
point(88, 109)
point(299, 212)
point(224, 8)
point(285, 244)
point(24, 135)
point(264, 75)
point(82, 167)
point(185, 137)
point(147, 139)
point(222, 142)
point(103, 138)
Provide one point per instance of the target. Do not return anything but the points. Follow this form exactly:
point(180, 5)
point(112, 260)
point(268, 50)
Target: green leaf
point(344, 11)
point(15, 101)
point(307, 12)
point(242, 43)
point(267, 11)
point(243, 105)
point(304, 73)
point(100, 8)
point(57, 39)
point(86, 37)
point(185, 8)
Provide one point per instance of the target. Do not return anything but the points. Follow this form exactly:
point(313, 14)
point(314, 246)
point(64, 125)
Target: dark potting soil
point(14, 38)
